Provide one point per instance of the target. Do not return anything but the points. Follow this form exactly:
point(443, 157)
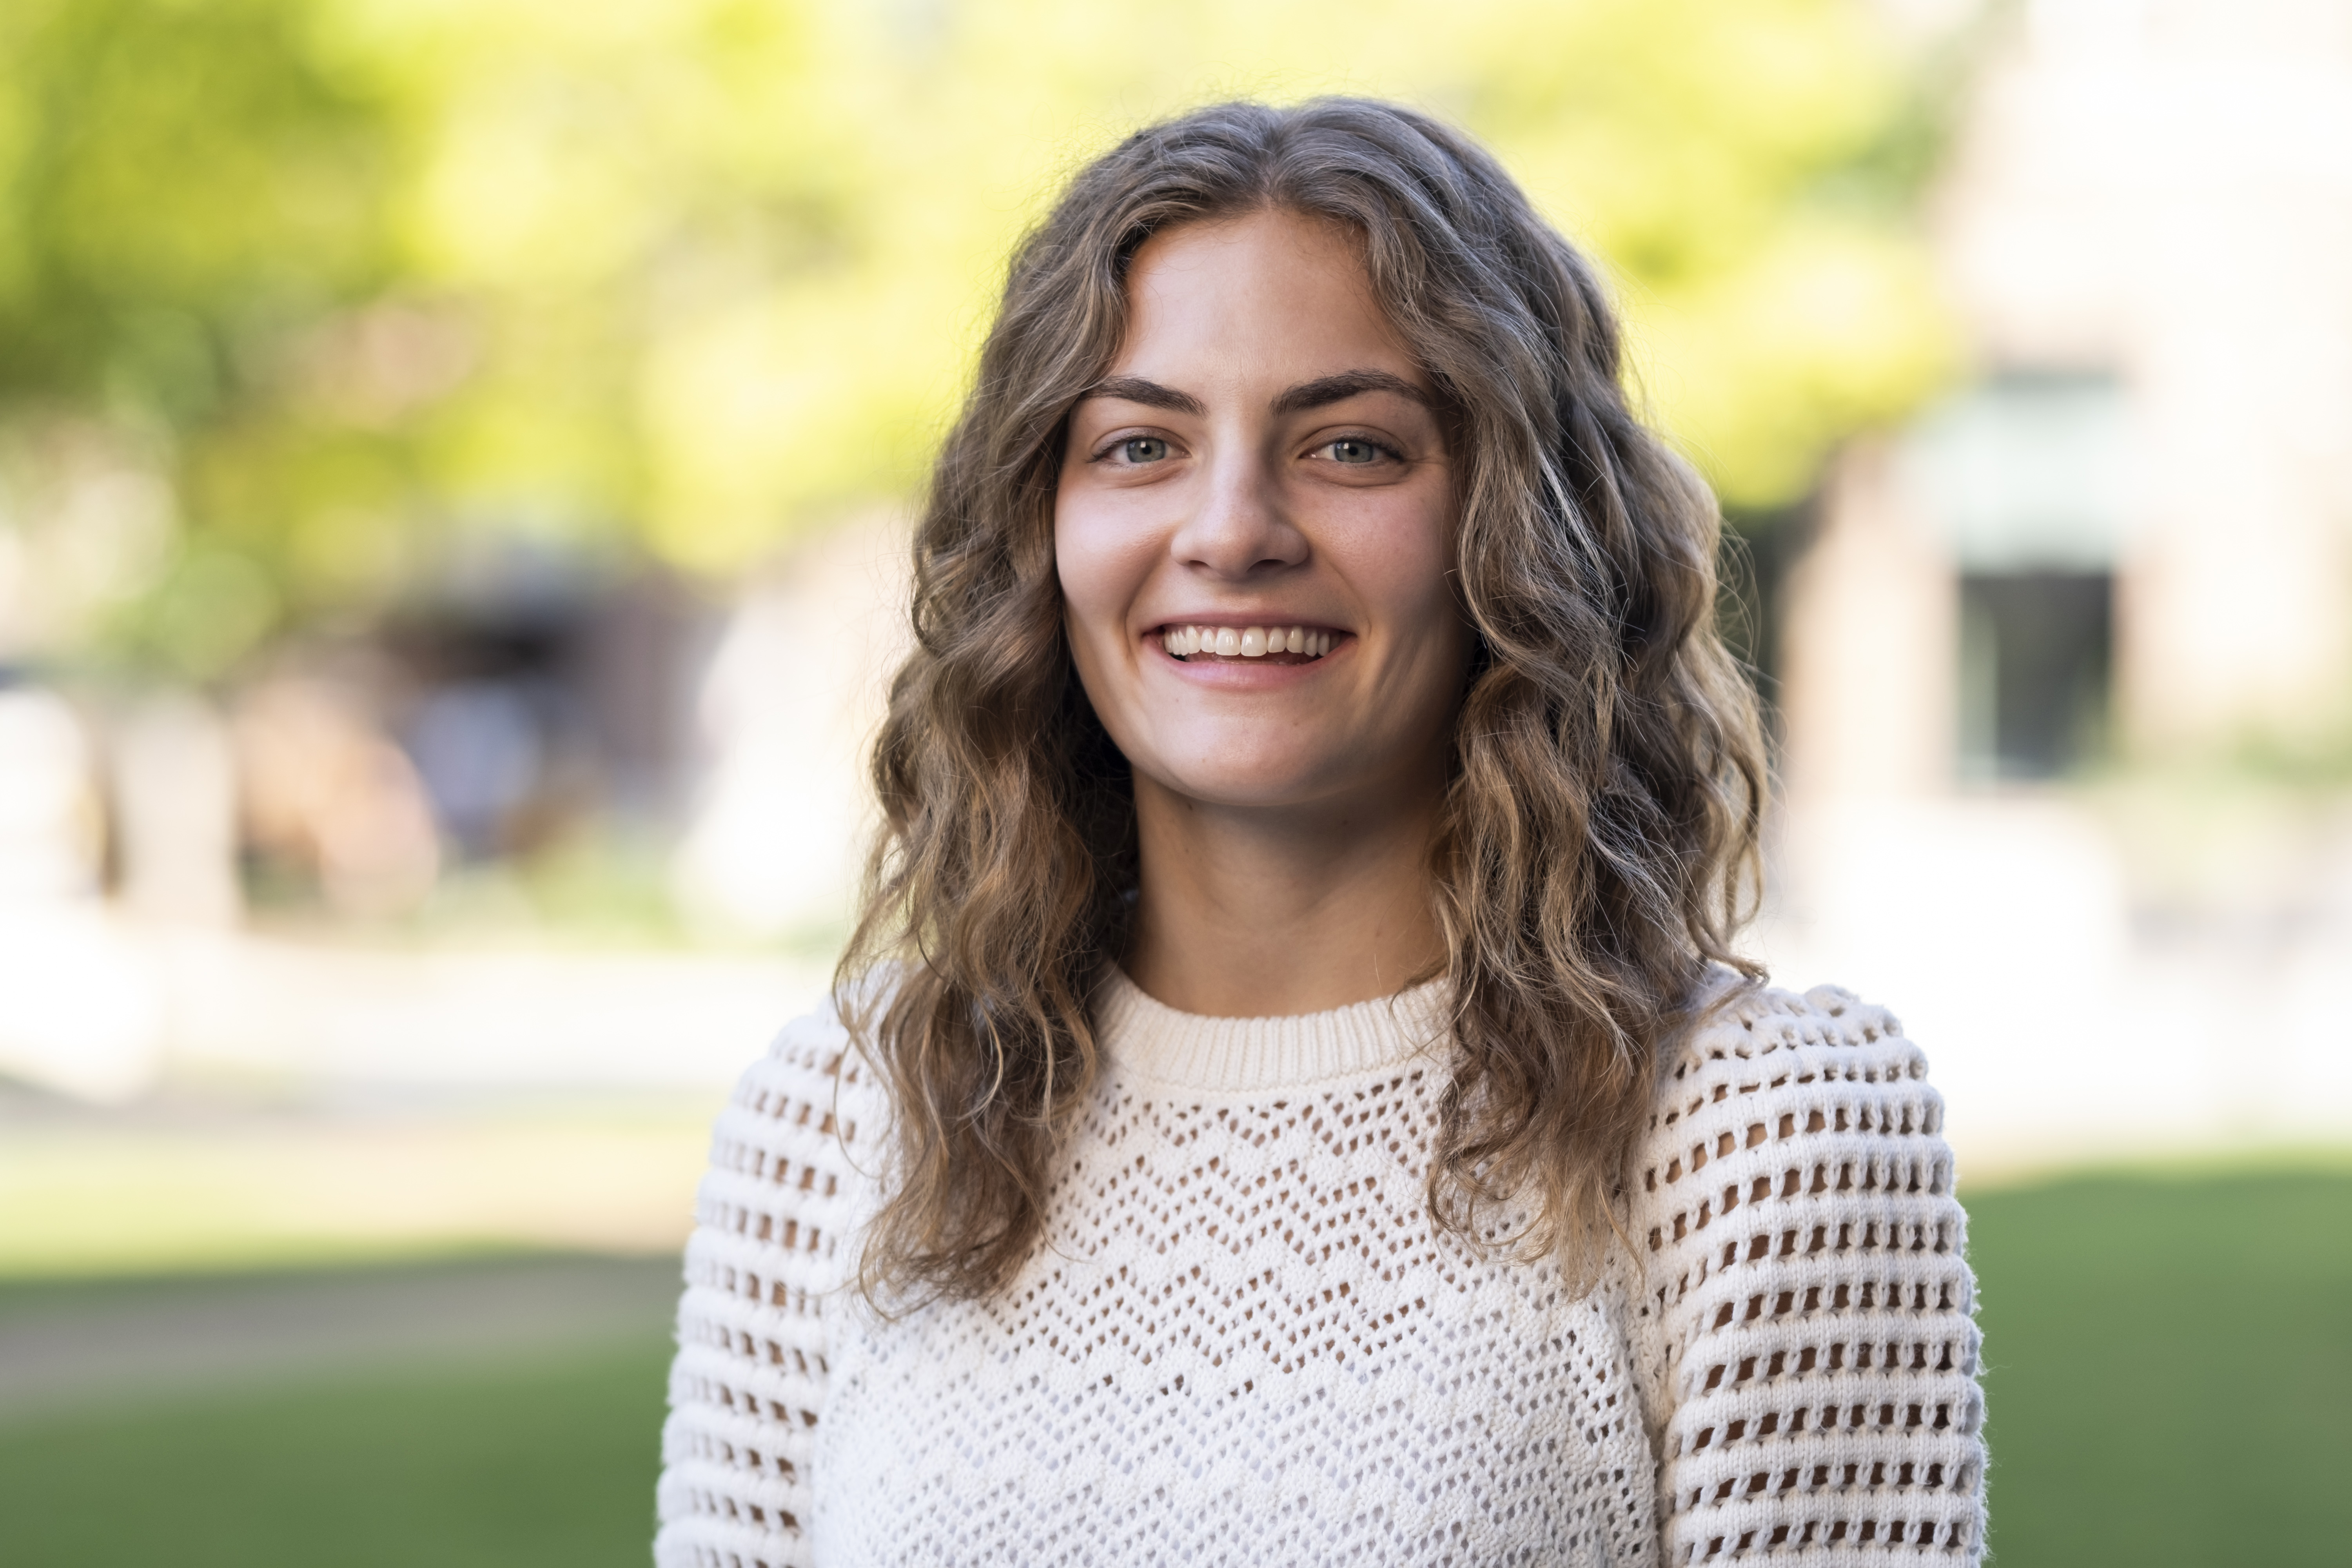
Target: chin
point(1269, 785)
point(1245, 794)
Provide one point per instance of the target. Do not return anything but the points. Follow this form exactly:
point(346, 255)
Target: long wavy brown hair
point(1598, 846)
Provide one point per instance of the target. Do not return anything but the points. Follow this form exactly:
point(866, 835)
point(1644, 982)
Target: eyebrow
point(1307, 394)
point(1150, 393)
point(1348, 384)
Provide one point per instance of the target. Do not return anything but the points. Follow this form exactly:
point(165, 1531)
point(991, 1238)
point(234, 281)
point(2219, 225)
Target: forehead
point(1276, 290)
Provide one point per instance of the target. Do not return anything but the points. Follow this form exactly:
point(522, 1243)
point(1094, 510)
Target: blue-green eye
point(1354, 450)
point(1143, 449)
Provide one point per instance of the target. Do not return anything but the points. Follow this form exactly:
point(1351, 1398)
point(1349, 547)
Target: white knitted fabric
point(1244, 1342)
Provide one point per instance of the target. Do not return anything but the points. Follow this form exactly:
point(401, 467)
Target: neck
point(1254, 913)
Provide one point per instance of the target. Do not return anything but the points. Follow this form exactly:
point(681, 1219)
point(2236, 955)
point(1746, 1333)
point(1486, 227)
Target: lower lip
point(1242, 675)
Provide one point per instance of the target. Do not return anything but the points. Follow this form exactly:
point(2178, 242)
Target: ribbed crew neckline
point(1146, 1038)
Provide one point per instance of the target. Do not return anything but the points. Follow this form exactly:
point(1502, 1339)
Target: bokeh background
point(455, 468)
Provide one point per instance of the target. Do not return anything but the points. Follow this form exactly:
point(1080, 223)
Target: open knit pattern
point(1245, 1341)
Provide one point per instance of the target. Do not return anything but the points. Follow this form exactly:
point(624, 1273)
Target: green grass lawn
point(2170, 1360)
point(547, 1462)
point(2170, 1368)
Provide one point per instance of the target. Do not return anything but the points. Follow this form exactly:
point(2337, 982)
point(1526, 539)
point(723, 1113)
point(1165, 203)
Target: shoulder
point(812, 1053)
point(806, 1117)
point(1766, 1066)
point(1756, 1047)
point(818, 1052)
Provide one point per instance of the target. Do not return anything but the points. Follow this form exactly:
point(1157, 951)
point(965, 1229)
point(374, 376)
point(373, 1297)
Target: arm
point(767, 1248)
point(1809, 1349)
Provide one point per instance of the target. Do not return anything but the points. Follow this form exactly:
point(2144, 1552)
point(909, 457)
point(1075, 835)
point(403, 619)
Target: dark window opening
point(2035, 650)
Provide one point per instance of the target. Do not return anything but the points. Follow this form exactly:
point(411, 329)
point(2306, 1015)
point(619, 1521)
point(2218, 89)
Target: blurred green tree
point(359, 277)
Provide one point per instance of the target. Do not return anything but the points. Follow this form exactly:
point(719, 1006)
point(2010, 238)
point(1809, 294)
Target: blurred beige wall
point(2150, 204)
point(2162, 189)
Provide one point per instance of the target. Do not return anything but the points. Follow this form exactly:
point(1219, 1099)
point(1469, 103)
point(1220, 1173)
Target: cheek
point(1101, 568)
point(1102, 562)
point(1406, 570)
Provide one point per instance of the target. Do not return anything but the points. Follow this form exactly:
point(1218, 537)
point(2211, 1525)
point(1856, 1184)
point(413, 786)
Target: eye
point(1356, 450)
point(1142, 450)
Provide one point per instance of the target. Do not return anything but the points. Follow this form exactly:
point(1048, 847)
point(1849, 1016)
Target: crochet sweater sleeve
point(1811, 1349)
point(767, 1251)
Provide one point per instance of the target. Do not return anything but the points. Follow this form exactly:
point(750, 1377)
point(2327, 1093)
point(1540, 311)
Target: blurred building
point(2122, 558)
point(469, 844)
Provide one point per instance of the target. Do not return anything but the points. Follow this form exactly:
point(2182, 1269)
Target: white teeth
point(1244, 642)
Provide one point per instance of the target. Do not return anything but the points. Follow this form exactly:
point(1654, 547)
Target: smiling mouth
point(1281, 645)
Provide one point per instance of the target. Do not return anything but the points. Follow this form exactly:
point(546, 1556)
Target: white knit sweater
point(1244, 1342)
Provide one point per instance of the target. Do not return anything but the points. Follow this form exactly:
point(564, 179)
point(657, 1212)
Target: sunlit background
point(456, 458)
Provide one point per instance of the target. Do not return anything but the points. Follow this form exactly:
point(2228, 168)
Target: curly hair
point(1597, 848)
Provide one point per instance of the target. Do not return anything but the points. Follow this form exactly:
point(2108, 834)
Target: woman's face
point(1254, 529)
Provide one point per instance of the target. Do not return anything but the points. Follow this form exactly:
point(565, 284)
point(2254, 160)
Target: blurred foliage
point(356, 277)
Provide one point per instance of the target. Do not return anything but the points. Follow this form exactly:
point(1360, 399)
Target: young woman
point(1293, 1097)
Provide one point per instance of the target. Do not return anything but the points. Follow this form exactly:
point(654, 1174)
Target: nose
point(1238, 530)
